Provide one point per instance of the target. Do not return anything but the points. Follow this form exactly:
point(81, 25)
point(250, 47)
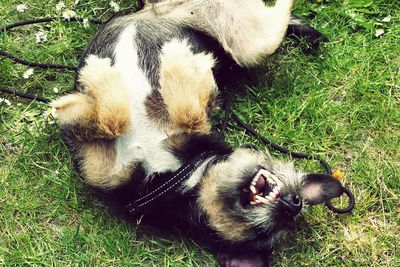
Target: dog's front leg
point(187, 86)
point(93, 119)
point(101, 108)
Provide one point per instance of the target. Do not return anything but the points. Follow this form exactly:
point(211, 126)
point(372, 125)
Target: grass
point(343, 103)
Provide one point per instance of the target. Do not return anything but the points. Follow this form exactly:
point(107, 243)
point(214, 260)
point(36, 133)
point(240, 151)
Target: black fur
point(312, 36)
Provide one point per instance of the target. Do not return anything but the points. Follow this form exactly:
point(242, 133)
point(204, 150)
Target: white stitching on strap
point(167, 189)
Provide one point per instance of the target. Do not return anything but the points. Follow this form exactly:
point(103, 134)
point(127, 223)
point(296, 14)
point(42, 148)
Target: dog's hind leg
point(187, 86)
point(249, 30)
point(93, 119)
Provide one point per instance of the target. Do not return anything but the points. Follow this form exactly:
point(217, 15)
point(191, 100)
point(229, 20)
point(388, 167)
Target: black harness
point(162, 186)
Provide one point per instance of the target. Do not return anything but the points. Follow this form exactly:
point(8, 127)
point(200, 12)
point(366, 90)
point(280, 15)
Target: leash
point(172, 180)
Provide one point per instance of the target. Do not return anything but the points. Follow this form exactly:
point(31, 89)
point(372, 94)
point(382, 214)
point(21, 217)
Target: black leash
point(26, 96)
point(175, 179)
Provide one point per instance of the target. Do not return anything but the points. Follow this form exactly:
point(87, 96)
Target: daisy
point(60, 5)
point(85, 23)
point(5, 101)
point(27, 73)
point(49, 115)
point(68, 14)
point(41, 37)
point(114, 5)
point(21, 8)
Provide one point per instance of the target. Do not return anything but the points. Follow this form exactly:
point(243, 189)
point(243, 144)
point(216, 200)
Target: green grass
point(342, 103)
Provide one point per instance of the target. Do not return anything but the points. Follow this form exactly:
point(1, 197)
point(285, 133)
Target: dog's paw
point(73, 108)
point(96, 72)
point(187, 85)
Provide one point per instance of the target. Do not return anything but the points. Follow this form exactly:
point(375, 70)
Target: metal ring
point(347, 209)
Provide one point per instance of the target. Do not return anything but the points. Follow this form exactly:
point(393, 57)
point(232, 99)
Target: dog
point(138, 124)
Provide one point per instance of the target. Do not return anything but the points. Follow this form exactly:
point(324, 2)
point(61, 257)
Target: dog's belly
point(144, 141)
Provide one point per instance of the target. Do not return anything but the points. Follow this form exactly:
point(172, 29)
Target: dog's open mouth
point(265, 188)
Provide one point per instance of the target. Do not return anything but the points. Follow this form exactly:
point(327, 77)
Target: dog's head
point(249, 197)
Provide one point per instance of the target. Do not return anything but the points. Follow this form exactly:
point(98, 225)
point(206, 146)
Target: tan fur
point(210, 201)
point(221, 221)
point(99, 165)
point(102, 104)
point(74, 109)
point(104, 83)
point(187, 84)
point(98, 115)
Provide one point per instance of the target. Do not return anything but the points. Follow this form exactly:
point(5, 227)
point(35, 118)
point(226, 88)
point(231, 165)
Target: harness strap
point(172, 181)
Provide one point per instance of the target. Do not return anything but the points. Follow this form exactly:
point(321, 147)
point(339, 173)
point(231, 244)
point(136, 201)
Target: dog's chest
point(144, 141)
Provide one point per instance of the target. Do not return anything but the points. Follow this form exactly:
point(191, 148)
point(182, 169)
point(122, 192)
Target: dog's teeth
point(276, 191)
point(253, 189)
point(278, 182)
point(253, 203)
point(262, 200)
point(269, 198)
point(255, 179)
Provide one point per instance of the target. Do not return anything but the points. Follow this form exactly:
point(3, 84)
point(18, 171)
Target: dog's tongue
point(260, 184)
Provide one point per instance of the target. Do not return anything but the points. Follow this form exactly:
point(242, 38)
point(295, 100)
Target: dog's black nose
point(291, 203)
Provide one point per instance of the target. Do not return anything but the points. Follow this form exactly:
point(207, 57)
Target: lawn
point(341, 103)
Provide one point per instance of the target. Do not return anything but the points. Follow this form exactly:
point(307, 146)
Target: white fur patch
point(196, 176)
point(143, 142)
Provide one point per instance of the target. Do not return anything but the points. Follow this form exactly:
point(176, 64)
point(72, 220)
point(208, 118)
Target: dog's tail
point(298, 30)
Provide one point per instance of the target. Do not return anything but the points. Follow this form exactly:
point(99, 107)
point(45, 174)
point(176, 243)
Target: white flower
point(55, 90)
point(85, 23)
point(60, 5)
point(27, 73)
point(41, 37)
point(21, 8)
point(76, 2)
point(379, 32)
point(387, 19)
point(49, 115)
point(114, 5)
point(68, 14)
point(6, 101)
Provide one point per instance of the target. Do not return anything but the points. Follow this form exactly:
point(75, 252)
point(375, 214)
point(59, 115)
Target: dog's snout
point(291, 203)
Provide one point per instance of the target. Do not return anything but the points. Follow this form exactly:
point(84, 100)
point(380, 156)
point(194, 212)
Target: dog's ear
point(319, 188)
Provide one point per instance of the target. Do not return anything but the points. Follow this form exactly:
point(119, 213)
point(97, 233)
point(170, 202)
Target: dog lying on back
point(146, 85)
